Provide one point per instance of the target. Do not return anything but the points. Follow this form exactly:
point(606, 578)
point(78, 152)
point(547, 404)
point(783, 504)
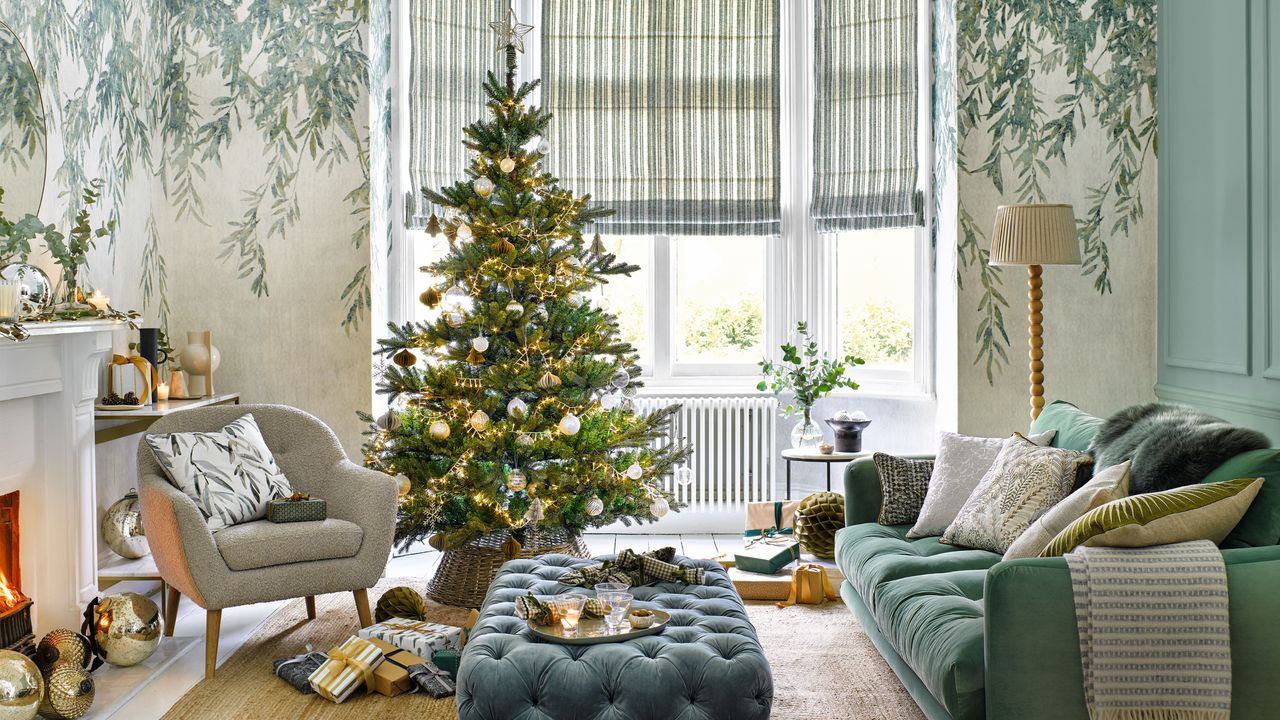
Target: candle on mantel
point(162, 391)
point(98, 300)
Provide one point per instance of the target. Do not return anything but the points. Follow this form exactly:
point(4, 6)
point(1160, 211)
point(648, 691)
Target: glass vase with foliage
point(808, 375)
point(72, 253)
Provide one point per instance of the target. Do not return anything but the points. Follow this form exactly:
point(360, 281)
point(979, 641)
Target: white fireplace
point(48, 386)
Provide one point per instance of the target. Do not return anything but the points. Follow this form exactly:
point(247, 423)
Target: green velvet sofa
point(973, 637)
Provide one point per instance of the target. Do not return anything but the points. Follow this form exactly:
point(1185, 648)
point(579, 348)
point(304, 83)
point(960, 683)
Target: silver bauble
point(517, 408)
point(684, 477)
point(35, 290)
point(595, 506)
point(634, 471)
point(122, 527)
point(660, 507)
point(389, 421)
point(21, 687)
point(483, 186)
point(620, 379)
point(127, 628)
point(68, 693)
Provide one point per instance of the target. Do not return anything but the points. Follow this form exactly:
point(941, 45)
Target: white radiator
point(733, 449)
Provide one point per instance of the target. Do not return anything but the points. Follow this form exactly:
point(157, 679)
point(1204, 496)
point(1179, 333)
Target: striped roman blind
point(865, 103)
point(666, 112)
point(452, 49)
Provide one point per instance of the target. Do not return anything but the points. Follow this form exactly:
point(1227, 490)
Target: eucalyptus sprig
point(71, 251)
point(16, 235)
point(806, 373)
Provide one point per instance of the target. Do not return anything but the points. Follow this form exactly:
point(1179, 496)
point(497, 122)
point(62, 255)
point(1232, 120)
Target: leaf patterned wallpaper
point(233, 138)
point(1045, 101)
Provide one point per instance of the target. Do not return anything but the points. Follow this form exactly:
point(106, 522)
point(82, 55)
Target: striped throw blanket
point(1154, 634)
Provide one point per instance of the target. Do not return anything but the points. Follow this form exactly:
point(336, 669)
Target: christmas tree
point(512, 409)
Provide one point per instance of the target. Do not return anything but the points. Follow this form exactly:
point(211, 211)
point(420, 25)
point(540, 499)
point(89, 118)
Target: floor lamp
point(1035, 235)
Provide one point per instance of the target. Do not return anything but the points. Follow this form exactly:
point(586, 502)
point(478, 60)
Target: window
point(805, 200)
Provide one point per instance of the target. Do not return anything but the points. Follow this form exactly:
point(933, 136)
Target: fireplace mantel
point(48, 386)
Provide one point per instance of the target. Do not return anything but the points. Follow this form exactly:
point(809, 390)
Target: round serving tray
point(593, 631)
point(114, 408)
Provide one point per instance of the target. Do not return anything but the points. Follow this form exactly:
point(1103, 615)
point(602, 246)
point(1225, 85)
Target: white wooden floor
point(151, 700)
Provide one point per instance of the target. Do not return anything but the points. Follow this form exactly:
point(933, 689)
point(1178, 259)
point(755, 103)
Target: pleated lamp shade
point(1035, 234)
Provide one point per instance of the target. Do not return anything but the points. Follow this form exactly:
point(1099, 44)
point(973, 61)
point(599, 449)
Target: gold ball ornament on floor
point(21, 686)
point(63, 646)
point(122, 527)
point(400, 602)
point(68, 693)
point(126, 628)
point(818, 518)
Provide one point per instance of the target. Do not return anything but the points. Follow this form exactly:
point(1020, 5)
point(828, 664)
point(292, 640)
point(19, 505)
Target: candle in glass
point(162, 391)
point(9, 301)
point(98, 301)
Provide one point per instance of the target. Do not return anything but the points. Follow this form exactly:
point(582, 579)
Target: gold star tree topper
point(510, 31)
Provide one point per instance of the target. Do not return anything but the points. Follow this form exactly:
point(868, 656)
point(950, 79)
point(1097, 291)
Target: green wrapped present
point(297, 508)
point(767, 555)
point(447, 660)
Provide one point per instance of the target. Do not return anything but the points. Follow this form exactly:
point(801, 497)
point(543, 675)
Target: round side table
point(812, 455)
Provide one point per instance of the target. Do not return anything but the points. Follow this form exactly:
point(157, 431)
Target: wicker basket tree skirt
point(756, 586)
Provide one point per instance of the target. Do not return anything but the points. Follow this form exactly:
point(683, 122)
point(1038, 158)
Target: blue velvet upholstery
point(706, 664)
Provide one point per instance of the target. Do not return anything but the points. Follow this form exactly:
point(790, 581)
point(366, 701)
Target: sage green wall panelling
point(1219, 192)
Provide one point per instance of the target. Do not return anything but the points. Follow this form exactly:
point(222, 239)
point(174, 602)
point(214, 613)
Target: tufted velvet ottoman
point(706, 664)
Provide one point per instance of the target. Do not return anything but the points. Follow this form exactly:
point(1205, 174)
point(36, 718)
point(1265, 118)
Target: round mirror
point(22, 130)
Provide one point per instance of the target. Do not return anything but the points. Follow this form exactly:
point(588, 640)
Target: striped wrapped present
point(419, 637)
point(349, 666)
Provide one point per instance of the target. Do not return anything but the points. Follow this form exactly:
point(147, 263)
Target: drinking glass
point(619, 603)
point(608, 587)
point(570, 608)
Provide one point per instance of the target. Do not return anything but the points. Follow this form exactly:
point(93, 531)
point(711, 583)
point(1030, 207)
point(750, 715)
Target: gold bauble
point(507, 164)
point(63, 646)
point(21, 687)
point(439, 430)
point(405, 358)
point(502, 246)
point(548, 381)
point(122, 527)
point(430, 297)
point(127, 628)
point(68, 693)
point(479, 420)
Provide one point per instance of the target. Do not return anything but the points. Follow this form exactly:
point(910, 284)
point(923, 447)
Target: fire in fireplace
point(15, 608)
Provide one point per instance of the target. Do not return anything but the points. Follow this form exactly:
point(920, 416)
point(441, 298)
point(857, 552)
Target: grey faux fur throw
point(1170, 445)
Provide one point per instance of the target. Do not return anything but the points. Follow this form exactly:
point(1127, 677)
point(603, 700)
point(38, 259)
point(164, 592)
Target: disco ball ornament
point(62, 646)
point(595, 506)
point(635, 472)
point(660, 507)
point(389, 421)
point(127, 628)
point(21, 686)
point(480, 344)
point(620, 379)
point(684, 477)
point(483, 186)
point(516, 481)
point(517, 408)
point(122, 527)
point(439, 430)
point(403, 485)
point(570, 424)
point(479, 420)
point(68, 693)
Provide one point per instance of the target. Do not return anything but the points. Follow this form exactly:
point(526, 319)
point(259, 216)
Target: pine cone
point(817, 519)
point(400, 602)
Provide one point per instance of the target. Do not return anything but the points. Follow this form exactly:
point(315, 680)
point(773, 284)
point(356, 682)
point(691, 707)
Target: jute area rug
point(824, 666)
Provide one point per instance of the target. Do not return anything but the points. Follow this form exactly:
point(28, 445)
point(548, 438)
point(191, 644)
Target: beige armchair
point(263, 561)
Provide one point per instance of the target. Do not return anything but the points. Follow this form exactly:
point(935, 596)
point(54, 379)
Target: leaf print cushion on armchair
point(1024, 482)
point(230, 474)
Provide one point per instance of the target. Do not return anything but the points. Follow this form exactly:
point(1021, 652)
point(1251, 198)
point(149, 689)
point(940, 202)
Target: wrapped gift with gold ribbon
point(132, 374)
point(419, 637)
point(349, 667)
point(391, 678)
point(810, 585)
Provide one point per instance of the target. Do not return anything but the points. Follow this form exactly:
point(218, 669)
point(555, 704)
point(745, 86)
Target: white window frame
point(800, 264)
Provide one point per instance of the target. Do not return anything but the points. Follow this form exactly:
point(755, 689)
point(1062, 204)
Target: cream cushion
point(263, 543)
point(1112, 483)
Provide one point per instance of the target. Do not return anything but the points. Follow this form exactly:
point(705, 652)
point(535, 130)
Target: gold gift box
point(391, 678)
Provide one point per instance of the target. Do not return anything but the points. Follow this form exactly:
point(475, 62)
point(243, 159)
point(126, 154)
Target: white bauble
point(456, 296)
point(595, 506)
point(635, 472)
point(480, 344)
point(403, 485)
point(544, 147)
point(479, 420)
point(609, 401)
point(464, 232)
point(517, 408)
point(514, 308)
point(660, 507)
point(684, 477)
point(516, 481)
point(620, 379)
point(439, 430)
point(507, 164)
point(570, 424)
point(483, 186)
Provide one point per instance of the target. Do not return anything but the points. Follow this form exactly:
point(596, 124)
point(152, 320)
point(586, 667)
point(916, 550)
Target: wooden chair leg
point(212, 626)
point(171, 598)
point(311, 607)
point(362, 607)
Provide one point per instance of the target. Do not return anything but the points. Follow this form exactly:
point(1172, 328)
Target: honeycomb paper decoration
point(817, 519)
point(400, 602)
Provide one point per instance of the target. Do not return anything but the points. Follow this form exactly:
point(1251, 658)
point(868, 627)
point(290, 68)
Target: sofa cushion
point(1260, 525)
point(936, 624)
point(871, 554)
point(1075, 427)
point(262, 544)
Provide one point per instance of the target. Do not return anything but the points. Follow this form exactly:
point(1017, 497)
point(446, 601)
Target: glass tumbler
point(619, 603)
point(570, 609)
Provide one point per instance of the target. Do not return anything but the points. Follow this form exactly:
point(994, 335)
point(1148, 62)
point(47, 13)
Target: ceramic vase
point(200, 359)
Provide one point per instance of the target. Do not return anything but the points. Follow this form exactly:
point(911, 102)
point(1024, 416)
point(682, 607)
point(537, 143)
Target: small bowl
point(826, 448)
point(641, 619)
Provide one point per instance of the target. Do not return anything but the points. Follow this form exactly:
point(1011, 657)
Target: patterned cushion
point(961, 464)
point(1194, 512)
point(1023, 483)
point(1110, 484)
point(230, 474)
point(903, 484)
